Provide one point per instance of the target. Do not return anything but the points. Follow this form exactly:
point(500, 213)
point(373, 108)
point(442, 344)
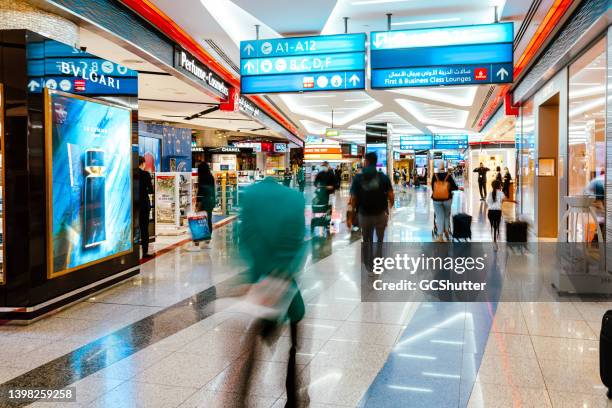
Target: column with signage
point(72, 139)
point(303, 64)
point(464, 55)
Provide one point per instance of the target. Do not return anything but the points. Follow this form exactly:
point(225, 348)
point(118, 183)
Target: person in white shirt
point(494, 203)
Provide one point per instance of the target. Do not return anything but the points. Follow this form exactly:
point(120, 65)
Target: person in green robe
point(271, 243)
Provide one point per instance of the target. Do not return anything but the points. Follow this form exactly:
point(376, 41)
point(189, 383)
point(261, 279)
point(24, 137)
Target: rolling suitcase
point(605, 352)
point(516, 231)
point(462, 226)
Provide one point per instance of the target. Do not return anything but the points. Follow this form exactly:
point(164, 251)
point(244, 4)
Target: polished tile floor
point(163, 340)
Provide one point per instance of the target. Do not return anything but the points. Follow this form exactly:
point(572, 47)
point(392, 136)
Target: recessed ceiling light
point(436, 20)
point(319, 96)
point(366, 2)
point(358, 100)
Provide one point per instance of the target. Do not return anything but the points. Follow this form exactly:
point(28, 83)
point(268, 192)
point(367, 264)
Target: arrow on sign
point(249, 49)
point(33, 85)
point(502, 73)
point(249, 66)
point(380, 40)
point(354, 80)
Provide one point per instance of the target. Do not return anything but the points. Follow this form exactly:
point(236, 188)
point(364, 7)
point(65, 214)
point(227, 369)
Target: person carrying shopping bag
point(442, 186)
point(494, 205)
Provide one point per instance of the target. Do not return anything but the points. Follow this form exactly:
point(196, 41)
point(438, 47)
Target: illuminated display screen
point(58, 66)
point(89, 182)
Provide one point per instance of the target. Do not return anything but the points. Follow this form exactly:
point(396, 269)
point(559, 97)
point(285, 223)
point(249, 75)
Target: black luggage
point(516, 231)
point(462, 226)
point(605, 352)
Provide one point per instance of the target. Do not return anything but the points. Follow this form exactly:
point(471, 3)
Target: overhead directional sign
point(450, 142)
point(304, 64)
point(416, 142)
point(479, 54)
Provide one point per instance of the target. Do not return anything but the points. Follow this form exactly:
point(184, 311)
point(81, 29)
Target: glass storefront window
point(586, 130)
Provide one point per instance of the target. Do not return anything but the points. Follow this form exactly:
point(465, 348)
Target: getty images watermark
point(418, 265)
point(480, 272)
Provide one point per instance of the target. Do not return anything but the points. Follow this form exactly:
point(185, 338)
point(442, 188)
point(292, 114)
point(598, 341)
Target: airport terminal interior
point(324, 203)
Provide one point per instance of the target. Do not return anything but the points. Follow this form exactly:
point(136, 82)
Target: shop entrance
point(548, 179)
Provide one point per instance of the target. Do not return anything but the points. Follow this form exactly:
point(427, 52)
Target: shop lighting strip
point(166, 25)
point(550, 21)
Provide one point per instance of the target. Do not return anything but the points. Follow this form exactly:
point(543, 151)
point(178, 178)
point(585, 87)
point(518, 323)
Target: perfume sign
point(186, 62)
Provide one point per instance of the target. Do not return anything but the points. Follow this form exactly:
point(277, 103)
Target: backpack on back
point(372, 195)
point(441, 189)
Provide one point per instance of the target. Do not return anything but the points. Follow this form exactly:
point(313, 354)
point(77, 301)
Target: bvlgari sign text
point(187, 62)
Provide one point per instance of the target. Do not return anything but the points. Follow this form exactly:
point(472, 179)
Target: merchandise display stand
point(582, 269)
point(173, 201)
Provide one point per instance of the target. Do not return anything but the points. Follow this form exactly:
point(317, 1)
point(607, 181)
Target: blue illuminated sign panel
point(416, 142)
point(450, 142)
point(61, 67)
point(304, 64)
point(480, 54)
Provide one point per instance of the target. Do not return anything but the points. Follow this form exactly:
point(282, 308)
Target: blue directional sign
point(450, 142)
point(328, 81)
point(283, 47)
point(479, 54)
point(416, 142)
point(304, 64)
point(307, 63)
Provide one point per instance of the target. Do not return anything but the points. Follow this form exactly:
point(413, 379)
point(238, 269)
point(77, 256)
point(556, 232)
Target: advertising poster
point(150, 149)
point(89, 180)
point(165, 200)
point(176, 145)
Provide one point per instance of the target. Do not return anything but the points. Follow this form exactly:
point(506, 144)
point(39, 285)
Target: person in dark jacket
point(325, 183)
point(338, 177)
point(145, 187)
point(443, 199)
point(206, 192)
point(482, 180)
point(498, 175)
point(506, 185)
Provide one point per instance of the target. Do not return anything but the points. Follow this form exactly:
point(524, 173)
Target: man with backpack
point(442, 187)
point(372, 193)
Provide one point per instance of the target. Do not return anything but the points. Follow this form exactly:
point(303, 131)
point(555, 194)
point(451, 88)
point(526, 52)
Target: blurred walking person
point(506, 184)
point(325, 183)
point(442, 186)
point(495, 200)
point(206, 198)
point(301, 179)
point(145, 187)
point(271, 232)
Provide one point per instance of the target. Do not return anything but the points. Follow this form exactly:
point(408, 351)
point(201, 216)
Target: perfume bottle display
point(94, 220)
